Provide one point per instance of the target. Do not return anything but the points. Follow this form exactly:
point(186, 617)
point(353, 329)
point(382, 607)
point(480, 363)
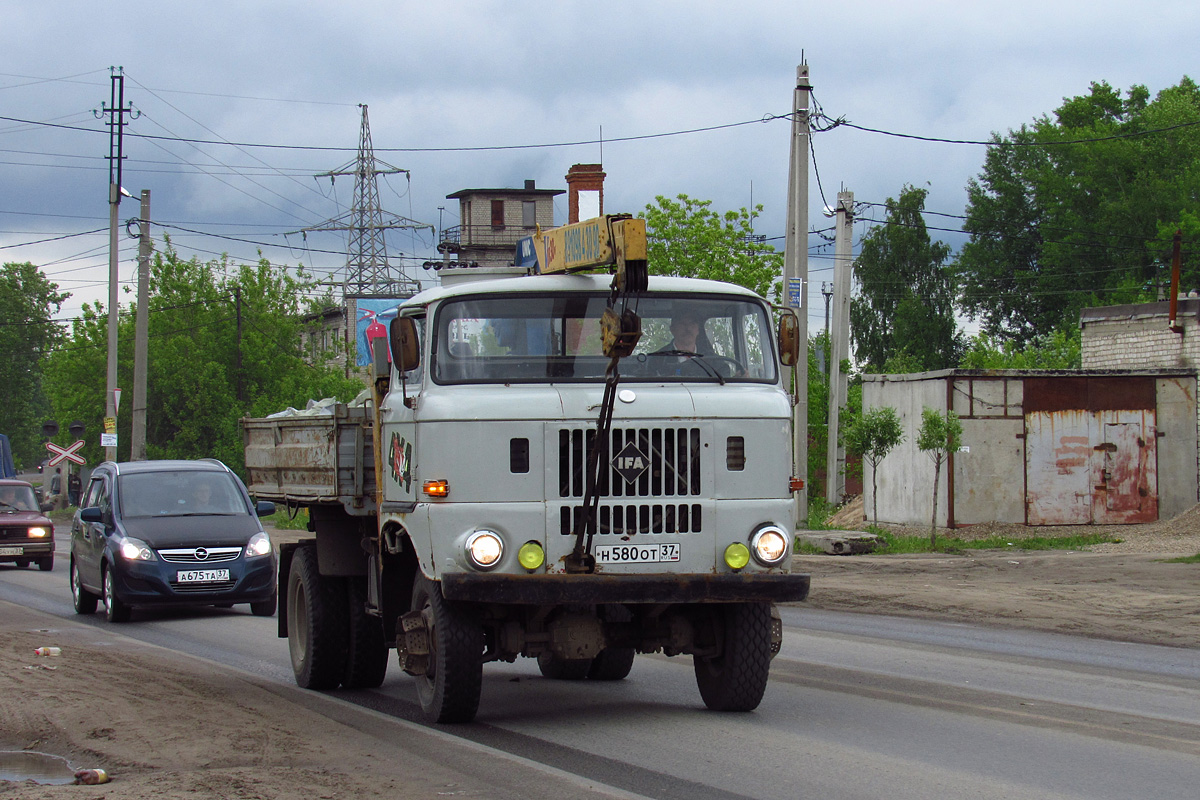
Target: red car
point(26, 534)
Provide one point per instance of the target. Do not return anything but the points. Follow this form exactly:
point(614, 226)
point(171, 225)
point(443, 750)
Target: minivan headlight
point(136, 550)
point(259, 545)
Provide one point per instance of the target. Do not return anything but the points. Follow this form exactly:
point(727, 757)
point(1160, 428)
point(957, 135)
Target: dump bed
point(306, 460)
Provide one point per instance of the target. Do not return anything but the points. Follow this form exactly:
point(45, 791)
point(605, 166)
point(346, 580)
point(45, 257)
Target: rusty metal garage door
point(1090, 450)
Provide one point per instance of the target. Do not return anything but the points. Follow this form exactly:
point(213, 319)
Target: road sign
point(65, 453)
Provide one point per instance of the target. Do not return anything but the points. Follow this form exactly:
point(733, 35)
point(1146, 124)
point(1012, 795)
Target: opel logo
point(201, 554)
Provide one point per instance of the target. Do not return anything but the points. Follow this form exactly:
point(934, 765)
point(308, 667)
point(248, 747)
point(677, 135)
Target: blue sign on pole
point(795, 287)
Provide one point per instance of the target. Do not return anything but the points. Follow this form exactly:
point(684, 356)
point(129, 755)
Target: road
point(859, 706)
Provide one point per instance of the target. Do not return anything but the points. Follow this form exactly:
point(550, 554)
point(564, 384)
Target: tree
point(1078, 210)
point(939, 436)
point(28, 303)
point(872, 435)
point(685, 237)
point(905, 302)
point(202, 374)
point(1059, 349)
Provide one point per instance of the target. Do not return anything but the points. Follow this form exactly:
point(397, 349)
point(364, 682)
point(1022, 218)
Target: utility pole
point(835, 454)
point(137, 439)
point(795, 278)
point(237, 368)
point(827, 292)
point(115, 112)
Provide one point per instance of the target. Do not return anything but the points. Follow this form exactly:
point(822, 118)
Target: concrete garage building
point(1074, 447)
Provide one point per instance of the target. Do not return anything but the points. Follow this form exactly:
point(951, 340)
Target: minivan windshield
point(179, 493)
point(555, 338)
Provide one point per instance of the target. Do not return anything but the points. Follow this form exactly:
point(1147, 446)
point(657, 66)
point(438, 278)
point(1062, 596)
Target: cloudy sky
point(459, 93)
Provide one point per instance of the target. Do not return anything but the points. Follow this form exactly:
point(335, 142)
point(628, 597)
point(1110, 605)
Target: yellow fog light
point(769, 545)
point(531, 555)
point(484, 549)
point(737, 555)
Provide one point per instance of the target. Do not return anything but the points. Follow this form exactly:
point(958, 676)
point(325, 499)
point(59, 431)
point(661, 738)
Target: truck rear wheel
point(450, 688)
point(316, 623)
point(367, 650)
point(737, 678)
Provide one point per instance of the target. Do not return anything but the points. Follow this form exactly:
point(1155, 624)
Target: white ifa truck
point(569, 467)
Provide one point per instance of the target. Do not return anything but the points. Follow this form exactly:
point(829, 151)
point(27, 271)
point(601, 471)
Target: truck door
point(398, 434)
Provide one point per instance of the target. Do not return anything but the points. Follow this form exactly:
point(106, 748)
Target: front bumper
point(33, 548)
point(153, 584)
point(558, 589)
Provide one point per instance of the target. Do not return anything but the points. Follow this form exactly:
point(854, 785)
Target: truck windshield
point(556, 339)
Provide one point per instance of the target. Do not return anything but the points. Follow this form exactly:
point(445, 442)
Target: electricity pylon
point(368, 272)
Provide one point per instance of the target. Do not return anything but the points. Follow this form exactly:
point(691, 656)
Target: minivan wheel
point(114, 609)
point(84, 601)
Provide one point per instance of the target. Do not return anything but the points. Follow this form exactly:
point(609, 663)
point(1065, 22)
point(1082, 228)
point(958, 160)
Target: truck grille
point(673, 471)
point(626, 520)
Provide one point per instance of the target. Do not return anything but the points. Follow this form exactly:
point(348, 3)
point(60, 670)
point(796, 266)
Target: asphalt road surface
point(859, 706)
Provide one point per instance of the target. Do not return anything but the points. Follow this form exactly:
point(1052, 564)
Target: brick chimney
point(588, 180)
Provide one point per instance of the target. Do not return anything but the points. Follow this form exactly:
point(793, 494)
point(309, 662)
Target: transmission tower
point(368, 272)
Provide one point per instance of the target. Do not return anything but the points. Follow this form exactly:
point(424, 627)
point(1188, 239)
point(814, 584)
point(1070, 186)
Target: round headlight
point(531, 555)
point(769, 544)
point(737, 555)
point(484, 549)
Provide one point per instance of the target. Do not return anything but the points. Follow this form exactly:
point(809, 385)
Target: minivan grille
point(673, 456)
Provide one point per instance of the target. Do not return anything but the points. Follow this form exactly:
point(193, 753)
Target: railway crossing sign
point(65, 453)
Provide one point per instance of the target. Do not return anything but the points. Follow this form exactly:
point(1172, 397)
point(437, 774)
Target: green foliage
point(283, 519)
point(28, 302)
point(685, 237)
point(939, 436)
point(1185, 560)
point(906, 298)
point(873, 434)
point(1058, 223)
point(204, 371)
point(1060, 349)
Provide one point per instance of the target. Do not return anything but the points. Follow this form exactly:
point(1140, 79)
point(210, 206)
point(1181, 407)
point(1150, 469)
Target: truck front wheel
point(736, 679)
point(316, 623)
point(450, 688)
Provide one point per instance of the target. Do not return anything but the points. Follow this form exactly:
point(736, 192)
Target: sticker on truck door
point(401, 461)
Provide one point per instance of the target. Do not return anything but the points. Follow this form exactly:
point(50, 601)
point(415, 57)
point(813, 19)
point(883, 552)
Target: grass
point(892, 544)
point(1185, 560)
point(284, 521)
point(953, 544)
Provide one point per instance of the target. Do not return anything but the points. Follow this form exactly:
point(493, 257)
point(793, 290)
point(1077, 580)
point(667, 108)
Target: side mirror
point(264, 508)
point(406, 352)
point(789, 340)
point(45, 508)
point(92, 514)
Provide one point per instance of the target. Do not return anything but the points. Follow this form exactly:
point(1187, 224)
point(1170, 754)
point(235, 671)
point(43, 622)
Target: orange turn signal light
point(795, 484)
point(439, 488)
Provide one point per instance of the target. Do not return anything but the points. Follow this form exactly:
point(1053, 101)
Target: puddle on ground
point(20, 766)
